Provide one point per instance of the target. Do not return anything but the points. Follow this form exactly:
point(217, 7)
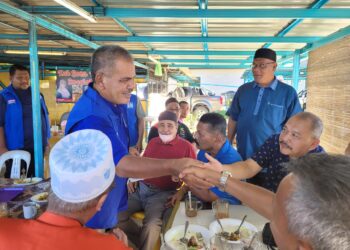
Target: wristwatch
point(223, 179)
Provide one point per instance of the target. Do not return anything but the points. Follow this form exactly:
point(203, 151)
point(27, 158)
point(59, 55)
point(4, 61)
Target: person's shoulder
point(245, 86)
point(284, 86)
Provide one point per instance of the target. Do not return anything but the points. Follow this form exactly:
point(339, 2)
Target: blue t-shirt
point(270, 159)
point(226, 155)
point(117, 198)
point(261, 112)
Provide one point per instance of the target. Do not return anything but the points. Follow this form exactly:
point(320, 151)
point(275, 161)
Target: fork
point(237, 231)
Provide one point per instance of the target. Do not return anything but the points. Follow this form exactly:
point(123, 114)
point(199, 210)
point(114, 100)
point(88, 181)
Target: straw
point(190, 199)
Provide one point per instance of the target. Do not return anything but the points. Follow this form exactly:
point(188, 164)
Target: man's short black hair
point(216, 121)
point(15, 67)
point(170, 100)
point(183, 102)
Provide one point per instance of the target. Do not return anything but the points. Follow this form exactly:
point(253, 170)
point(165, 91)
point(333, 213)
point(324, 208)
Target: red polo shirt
point(53, 232)
point(177, 148)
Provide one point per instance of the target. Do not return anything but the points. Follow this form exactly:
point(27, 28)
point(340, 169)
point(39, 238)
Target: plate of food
point(27, 181)
point(40, 198)
point(230, 226)
point(197, 237)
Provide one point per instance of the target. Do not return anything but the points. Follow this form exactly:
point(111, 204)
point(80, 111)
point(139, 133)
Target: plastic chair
point(16, 156)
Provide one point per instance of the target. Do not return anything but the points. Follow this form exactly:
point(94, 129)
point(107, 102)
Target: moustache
point(285, 144)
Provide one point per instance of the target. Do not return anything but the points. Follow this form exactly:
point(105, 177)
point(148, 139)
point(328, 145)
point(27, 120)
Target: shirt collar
point(58, 220)
point(273, 84)
point(223, 149)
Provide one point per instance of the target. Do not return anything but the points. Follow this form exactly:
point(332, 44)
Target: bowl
point(40, 198)
point(230, 225)
point(174, 234)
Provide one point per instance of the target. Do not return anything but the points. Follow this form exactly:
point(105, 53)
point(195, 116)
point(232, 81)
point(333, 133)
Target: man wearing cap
point(74, 161)
point(151, 195)
point(260, 108)
point(103, 107)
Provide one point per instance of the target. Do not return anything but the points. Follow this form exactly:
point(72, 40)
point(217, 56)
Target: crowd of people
point(279, 168)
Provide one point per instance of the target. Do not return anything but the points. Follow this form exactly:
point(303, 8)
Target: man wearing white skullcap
point(82, 173)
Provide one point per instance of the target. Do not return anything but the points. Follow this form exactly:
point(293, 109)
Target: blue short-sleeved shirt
point(117, 198)
point(261, 112)
point(270, 159)
point(226, 155)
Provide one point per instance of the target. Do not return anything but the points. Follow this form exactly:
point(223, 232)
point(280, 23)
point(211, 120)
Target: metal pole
point(36, 107)
point(296, 69)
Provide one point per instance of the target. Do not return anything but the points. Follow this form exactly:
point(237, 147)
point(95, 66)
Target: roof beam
point(205, 61)
point(87, 40)
point(279, 13)
point(196, 39)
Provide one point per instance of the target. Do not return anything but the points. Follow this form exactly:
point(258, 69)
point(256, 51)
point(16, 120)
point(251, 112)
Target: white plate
point(230, 225)
point(174, 234)
point(38, 198)
point(26, 181)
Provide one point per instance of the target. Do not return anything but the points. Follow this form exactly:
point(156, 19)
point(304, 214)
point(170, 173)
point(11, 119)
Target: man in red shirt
point(151, 195)
point(74, 160)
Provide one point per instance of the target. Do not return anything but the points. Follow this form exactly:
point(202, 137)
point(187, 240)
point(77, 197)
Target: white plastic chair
point(16, 156)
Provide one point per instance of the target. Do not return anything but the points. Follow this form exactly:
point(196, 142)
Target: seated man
point(211, 139)
point(74, 161)
point(151, 195)
point(183, 131)
point(311, 207)
point(300, 136)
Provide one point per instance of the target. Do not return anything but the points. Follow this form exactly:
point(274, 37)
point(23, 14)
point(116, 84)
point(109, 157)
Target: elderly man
point(74, 161)
point(311, 207)
point(183, 131)
point(300, 136)
point(16, 118)
point(102, 107)
point(151, 195)
point(260, 108)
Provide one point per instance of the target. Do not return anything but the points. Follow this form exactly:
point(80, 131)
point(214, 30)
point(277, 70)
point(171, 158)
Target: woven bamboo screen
point(328, 85)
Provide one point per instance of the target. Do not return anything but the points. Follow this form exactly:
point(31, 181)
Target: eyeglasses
point(261, 65)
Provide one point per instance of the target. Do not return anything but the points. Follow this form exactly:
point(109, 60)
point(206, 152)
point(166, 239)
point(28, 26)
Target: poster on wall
point(70, 85)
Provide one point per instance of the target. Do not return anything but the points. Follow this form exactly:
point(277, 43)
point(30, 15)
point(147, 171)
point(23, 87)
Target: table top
point(205, 217)
point(15, 206)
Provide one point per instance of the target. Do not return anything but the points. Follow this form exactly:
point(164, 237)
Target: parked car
point(200, 99)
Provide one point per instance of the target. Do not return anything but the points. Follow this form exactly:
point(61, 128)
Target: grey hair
point(68, 208)
point(105, 57)
point(315, 121)
point(318, 209)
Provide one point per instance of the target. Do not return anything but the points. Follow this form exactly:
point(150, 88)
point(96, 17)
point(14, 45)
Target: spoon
point(249, 247)
point(223, 233)
point(183, 239)
point(237, 231)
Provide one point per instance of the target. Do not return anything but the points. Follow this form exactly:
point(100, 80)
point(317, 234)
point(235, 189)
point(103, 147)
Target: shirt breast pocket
point(275, 114)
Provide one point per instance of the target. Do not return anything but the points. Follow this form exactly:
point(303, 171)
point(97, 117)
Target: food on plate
point(195, 241)
point(229, 234)
point(22, 181)
point(42, 197)
point(234, 236)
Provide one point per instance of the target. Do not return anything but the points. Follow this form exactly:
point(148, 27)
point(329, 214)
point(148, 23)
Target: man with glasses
point(260, 108)
point(183, 131)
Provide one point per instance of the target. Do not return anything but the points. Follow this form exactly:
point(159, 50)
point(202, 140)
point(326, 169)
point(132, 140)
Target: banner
point(71, 84)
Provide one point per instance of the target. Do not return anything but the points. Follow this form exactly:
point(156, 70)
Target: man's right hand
point(132, 187)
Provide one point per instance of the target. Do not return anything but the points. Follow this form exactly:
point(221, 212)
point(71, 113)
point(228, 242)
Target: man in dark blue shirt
point(16, 117)
point(300, 136)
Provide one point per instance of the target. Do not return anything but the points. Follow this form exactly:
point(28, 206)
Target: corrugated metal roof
point(145, 35)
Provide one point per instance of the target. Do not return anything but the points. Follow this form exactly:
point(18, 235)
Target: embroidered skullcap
point(81, 166)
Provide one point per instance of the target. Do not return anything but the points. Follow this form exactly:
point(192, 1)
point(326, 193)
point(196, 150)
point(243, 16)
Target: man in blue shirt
point(211, 139)
point(300, 136)
point(16, 117)
point(260, 108)
point(103, 107)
